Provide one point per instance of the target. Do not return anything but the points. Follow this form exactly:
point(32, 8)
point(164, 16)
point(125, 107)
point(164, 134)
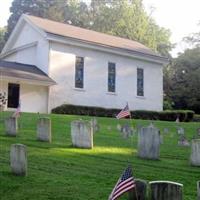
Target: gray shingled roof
point(24, 71)
point(69, 31)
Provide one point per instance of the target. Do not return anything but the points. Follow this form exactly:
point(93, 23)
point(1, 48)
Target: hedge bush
point(168, 115)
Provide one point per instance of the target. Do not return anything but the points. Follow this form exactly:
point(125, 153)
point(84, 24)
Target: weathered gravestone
point(198, 190)
point(126, 131)
point(44, 129)
point(149, 143)
point(183, 141)
point(151, 125)
point(177, 120)
point(198, 131)
point(109, 128)
point(82, 134)
point(180, 131)
point(197, 134)
point(161, 139)
point(95, 124)
point(11, 126)
point(166, 190)
point(119, 127)
point(195, 153)
point(140, 191)
point(18, 159)
point(138, 128)
point(165, 130)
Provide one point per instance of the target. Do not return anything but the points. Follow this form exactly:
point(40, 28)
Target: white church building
point(45, 64)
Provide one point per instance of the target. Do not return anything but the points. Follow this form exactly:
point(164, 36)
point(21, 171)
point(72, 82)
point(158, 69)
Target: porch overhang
point(23, 73)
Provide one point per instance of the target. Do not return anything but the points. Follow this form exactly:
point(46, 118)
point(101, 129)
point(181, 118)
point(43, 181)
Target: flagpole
point(130, 118)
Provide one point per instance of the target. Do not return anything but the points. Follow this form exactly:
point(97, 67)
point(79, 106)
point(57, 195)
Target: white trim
point(140, 97)
point(21, 22)
point(27, 81)
point(111, 93)
point(26, 46)
point(79, 89)
point(35, 27)
point(104, 48)
point(170, 182)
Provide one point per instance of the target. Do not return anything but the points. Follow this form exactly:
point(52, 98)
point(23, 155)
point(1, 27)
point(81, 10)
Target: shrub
point(168, 115)
point(196, 118)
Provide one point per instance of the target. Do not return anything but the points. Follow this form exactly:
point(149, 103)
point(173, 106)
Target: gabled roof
point(24, 72)
point(66, 30)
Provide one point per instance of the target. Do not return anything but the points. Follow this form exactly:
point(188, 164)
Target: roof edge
point(22, 20)
point(26, 46)
point(106, 48)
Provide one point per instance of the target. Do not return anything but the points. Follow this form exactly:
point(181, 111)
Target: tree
point(125, 18)
point(51, 9)
point(128, 19)
point(2, 40)
point(185, 81)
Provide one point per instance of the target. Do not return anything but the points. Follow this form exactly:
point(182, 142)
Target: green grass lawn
point(59, 171)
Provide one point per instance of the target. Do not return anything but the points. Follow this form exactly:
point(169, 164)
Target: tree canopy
point(2, 39)
point(126, 18)
point(183, 86)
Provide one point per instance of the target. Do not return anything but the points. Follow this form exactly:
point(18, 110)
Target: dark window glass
point(111, 77)
point(79, 72)
point(140, 82)
point(13, 95)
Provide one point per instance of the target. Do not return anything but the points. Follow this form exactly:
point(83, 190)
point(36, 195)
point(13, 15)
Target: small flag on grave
point(125, 183)
point(124, 112)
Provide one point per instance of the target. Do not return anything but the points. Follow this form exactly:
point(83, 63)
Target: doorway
point(13, 95)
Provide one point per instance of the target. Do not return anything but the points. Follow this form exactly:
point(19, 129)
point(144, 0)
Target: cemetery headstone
point(165, 130)
point(198, 131)
point(82, 134)
point(180, 131)
point(177, 120)
point(11, 126)
point(109, 128)
point(151, 125)
point(44, 129)
point(195, 153)
point(161, 139)
point(183, 141)
point(197, 135)
point(140, 191)
point(149, 143)
point(95, 124)
point(138, 127)
point(198, 190)
point(119, 127)
point(18, 159)
point(166, 190)
point(126, 131)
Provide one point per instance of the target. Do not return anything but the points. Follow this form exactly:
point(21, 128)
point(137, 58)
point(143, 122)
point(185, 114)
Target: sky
point(180, 16)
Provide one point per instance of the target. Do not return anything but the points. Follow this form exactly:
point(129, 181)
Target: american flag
point(125, 183)
point(17, 112)
point(124, 112)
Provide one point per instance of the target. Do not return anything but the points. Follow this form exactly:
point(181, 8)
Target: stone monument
point(166, 190)
point(82, 134)
point(18, 159)
point(195, 152)
point(149, 143)
point(11, 126)
point(44, 129)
